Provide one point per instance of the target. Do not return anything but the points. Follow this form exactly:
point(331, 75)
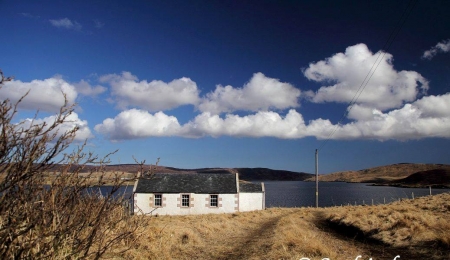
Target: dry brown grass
point(421, 224)
point(412, 229)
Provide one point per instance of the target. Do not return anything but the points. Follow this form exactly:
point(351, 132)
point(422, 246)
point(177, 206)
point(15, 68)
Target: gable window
point(185, 200)
point(158, 200)
point(213, 200)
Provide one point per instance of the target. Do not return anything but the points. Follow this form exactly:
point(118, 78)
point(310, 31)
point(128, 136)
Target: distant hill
point(269, 174)
point(427, 174)
point(437, 178)
point(248, 174)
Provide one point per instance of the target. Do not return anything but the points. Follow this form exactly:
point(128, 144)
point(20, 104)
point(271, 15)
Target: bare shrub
point(52, 212)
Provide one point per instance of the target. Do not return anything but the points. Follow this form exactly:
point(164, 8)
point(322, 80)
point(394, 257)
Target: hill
point(439, 178)
point(391, 174)
point(272, 175)
point(248, 174)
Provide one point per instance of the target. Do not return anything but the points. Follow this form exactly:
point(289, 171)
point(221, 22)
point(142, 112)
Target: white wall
point(228, 203)
point(251, 201)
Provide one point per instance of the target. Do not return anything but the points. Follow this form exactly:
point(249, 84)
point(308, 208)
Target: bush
point(45, 209)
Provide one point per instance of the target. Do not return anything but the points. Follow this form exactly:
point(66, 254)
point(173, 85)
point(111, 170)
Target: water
point(302, 194)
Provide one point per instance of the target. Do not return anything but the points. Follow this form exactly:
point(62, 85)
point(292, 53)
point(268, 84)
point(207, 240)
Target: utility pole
point(317, 178)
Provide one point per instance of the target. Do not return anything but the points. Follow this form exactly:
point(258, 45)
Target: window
point(185, 200)
point(213, 200)
point(158, 200)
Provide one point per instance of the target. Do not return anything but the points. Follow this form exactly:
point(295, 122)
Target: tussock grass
point(421, 224)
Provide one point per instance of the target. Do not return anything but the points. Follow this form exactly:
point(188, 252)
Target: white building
point(195, 193)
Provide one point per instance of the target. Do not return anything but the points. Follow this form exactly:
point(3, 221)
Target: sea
point(303, 194)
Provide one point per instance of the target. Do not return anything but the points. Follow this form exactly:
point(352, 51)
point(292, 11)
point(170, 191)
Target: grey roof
point(249, 187)
point(206, 183)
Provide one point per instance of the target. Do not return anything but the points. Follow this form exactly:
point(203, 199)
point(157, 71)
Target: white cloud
point(45, 95)
point(443, 46)
point(359, 112)
point(83, 87)
point(260, 93)
point(427, 117)
point(155, 95)
point(261, 124)
point(386, 89)
point(66, 24)
point(69, 124)
point(434, 106)
point(134, 123)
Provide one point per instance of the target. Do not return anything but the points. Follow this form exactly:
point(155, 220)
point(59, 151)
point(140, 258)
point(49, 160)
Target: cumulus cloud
point(443, 46)
point(434, 106)
point(134, 123)
point(45, 95)
point(66, 23)
point(426, 117)
point(260, 93)
point(153, 96)
point(69, 124)
point(346, 72)
point(261, 124)
point(83, 87)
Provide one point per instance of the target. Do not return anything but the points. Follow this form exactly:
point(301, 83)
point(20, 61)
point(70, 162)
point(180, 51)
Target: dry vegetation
point(55, 218)
point(381, 174)
point(413, 229)
point(421, 225)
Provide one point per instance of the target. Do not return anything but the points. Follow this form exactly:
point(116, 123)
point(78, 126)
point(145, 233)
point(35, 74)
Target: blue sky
point(237, 83)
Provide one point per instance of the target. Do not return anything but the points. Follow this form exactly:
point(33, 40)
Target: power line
point(374, 67)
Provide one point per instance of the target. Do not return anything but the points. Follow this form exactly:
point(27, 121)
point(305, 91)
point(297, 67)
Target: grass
point(413, 229)
point(421, 223)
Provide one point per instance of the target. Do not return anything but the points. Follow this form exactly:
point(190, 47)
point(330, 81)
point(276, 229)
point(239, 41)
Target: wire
point(374, 67)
